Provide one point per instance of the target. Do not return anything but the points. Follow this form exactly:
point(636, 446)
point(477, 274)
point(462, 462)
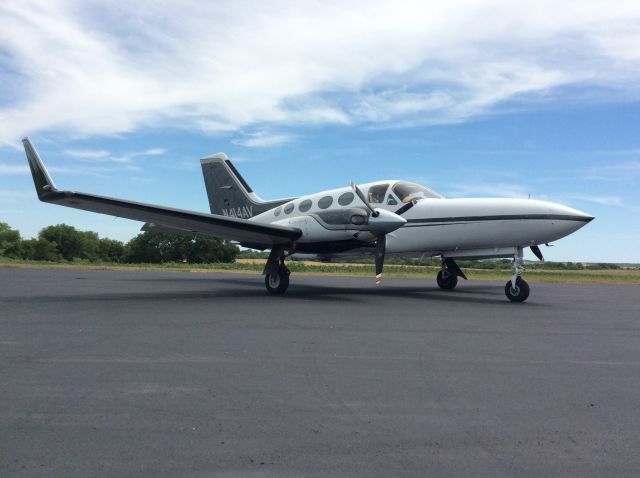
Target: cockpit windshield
point(407, 192)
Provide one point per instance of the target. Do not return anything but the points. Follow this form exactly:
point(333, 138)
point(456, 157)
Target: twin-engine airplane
point(395, 217)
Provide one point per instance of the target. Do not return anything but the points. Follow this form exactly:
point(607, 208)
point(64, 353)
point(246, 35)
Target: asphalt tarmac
point(129, 374)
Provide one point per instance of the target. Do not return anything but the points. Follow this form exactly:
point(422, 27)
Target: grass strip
point(582, 276)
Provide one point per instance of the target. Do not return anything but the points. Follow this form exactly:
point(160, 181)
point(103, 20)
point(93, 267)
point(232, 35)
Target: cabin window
point(288, 209)
point(277, 211)
point(345, 199)
point(325, 202)
point(391, 201)
point(377, 193)
point(305, 205)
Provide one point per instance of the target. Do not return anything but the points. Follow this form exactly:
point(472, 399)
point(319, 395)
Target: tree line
point(65, 243)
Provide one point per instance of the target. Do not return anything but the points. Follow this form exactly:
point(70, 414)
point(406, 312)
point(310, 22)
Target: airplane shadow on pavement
point(249, 287)
point(253, 287)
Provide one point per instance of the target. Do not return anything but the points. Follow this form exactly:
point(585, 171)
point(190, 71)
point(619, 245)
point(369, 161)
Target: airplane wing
point(256, 234)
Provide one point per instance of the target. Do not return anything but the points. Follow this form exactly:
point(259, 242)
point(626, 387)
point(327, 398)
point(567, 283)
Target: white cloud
point(604, 200)
point(615, 171)
point(154, 152)
point(388, 105)
point(262, 139)
point(484, 189)
point(95, 156)
point(88, 153)
point(13, 169)
point(12, 194)
point(89, 67)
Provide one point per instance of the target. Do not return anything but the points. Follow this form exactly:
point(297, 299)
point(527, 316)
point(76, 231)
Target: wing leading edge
point(256, 234)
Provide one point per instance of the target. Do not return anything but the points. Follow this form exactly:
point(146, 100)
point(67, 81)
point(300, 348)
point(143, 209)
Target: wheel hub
point(274, 280)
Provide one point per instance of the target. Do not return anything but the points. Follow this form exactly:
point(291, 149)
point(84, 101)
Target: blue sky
point(473, 99)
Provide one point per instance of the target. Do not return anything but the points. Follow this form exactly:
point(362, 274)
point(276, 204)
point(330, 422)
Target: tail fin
point(228, 192)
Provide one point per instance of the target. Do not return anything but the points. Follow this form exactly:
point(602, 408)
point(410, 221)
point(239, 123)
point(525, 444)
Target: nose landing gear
point(517, 293)
point(517, 289)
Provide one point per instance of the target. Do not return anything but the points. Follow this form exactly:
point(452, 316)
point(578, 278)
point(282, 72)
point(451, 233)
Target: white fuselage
point(435, 226)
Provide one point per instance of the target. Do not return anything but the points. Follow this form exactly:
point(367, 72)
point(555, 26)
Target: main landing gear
point(517, 289)
point(276, 273)
point(447, 278)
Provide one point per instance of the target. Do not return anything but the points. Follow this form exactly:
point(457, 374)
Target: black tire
point(278, 283)
point(519, 293)
point(447, 283)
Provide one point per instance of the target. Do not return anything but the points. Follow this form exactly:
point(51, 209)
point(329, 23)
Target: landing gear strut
point(276, 273)
point(447, 278)
point(517, 289)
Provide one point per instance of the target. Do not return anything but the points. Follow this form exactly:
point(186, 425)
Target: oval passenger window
point(288, 208)
point(345, 199)
point(305, 205)
point(325, 202)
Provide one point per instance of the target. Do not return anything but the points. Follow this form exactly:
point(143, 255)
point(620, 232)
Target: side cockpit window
point(377, 193)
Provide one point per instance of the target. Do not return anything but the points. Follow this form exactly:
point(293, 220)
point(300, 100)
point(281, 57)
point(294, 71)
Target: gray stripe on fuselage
point(505, 217)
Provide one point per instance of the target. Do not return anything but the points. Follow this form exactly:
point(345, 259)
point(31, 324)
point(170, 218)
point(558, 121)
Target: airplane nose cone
point(385, 222)
point(567, 220)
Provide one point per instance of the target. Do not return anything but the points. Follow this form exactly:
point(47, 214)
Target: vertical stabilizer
point(229, 194)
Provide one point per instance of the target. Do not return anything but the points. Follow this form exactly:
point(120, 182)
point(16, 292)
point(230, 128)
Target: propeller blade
point(406, 207)
point(363, 198)
point(380, 249)
point(537, 253)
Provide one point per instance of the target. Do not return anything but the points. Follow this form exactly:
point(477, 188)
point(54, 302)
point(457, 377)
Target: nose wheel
point(517, 292)
point(517, 289)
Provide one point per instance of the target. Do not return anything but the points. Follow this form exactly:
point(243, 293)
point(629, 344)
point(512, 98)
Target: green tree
point(39, 250)
point(9, 241)
point(110, 250)
point(204, 249)
point(147, 248)
point(150, 247)
point(71, 243)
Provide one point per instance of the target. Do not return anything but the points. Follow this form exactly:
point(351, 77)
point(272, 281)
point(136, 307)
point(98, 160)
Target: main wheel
point(447, 283)
point(277, 283)
point(519, 293)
